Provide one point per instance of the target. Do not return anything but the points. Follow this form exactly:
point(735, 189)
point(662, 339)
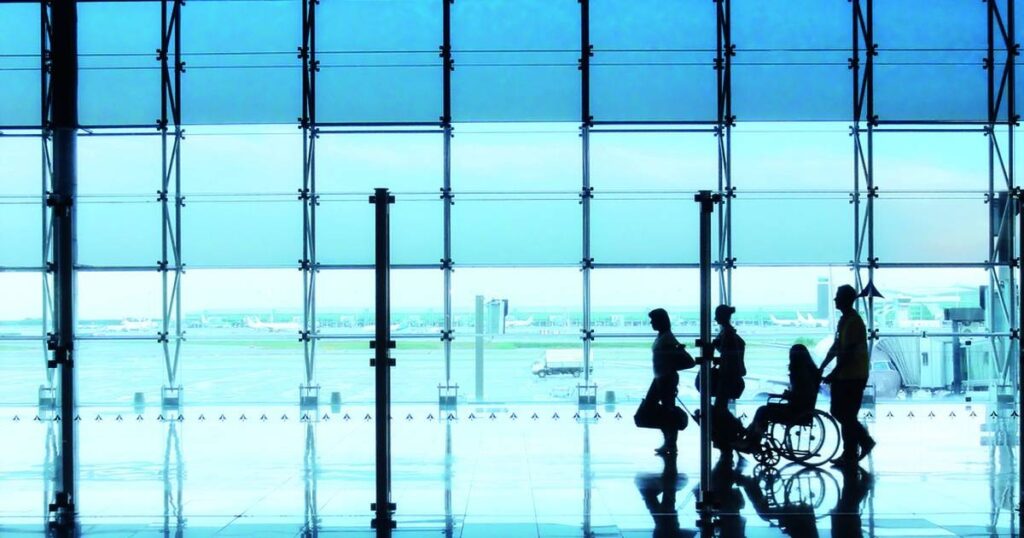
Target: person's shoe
point(867, 447)
point(665, 450)
point(845, 461)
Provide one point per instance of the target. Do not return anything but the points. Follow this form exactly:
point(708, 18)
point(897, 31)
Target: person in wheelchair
point(795, 403)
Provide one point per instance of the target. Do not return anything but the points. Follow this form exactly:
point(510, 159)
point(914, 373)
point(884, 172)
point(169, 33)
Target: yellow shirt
point(851, 348)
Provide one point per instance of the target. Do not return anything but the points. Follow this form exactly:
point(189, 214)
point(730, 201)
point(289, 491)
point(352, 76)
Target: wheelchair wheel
point(812, 487)
point(802, 442)
point(767, 452)
point(813, 445)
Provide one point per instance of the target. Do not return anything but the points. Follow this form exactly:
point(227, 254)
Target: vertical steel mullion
point(309, 198)
point(855, 198)
point(446, 186)
point(64, 114)
point(178, 198)
point(46, 175)
point(723, 61)
point(165, 214)
point(707, 202)
point(383, 508)
point(869, 176)
point(586, 121)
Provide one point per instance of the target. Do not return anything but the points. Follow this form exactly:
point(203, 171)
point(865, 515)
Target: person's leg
point(844, 408)
point(666, 394)
point(864, 439)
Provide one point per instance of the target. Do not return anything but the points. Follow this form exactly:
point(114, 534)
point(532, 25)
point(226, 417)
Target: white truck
point(562, 362)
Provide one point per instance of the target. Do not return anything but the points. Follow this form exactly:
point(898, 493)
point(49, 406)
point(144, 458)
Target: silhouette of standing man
point(850, 377)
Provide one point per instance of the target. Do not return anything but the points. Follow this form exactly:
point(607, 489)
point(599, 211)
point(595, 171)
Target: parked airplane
point(800, 321)
point(272, 326)
point(132, 324)
point(519, 323)
point(811, 321)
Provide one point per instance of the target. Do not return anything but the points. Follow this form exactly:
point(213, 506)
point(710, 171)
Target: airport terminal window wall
point(533, 193)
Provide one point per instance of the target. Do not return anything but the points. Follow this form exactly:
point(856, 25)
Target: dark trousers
point(783, 413)
point(847, 395)
point(664, 390)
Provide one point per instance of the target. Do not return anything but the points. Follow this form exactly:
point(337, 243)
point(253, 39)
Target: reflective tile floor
point(939, 470)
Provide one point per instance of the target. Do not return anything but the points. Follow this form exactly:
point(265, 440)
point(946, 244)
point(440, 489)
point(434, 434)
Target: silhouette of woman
point(804, 382)
point(727, 384)
point(667, 356)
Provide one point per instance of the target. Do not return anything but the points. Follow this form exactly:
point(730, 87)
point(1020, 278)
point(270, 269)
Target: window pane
point(621, 298)
point(252, 231)
point(119, 74)
point(653, 161)
point(23, 365)
point(379, 61)
point(119, 230)
point(19, 65)
point(114, 165)
point(931, 161)
point(543, 316)
point(242, 303)
point(793, 157)
point(652, 60)
point(931, 227)
point(110, 373)
point(404, 163)
point(515, 61)
point(803, 56)
point(346, 229)
point(119, 304)
point(21, 243)
point(246, 159)
point(21, 312)
point(526, 158)
point(22, 166)
point(654, 227)
point(246, 71)
point(792, 228)
point(503, 229)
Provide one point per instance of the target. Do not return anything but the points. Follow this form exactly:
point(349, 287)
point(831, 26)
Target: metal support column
point(587, 391)
point(447, 393)
point(863, 148)
point(47, 404)
point(723, 131)
point(170, 265)
point(382, 362)
point(707, 202)
point(310, 475)
point(64, 123)
point(174, 466)
point(1001, 316)
point(309, 391)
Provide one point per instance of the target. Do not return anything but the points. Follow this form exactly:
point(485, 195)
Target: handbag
point(652, 415)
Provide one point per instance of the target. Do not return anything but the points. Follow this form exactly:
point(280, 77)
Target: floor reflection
point(570, 477)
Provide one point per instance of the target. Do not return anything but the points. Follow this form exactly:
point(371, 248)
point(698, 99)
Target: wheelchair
point(811, 440)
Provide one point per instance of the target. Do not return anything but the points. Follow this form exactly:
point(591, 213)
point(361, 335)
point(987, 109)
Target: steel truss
point(46, 139)
point(309, 391)
point(174, 483)
point(587, 391)
point(864, 48)
point(999, 64)
point(171, 200)
point(447, 393)
point(725, 121)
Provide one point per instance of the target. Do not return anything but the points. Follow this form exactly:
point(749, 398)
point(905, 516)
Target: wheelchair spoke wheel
point(818, 444)
point(802, 442)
